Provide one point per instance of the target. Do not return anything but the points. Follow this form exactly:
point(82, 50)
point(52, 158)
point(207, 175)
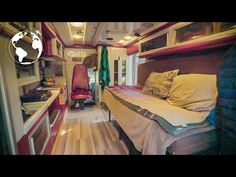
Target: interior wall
point(12, 91)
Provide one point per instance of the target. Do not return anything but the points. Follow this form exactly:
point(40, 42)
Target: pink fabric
point(80, 79)
point(80, 83)
point(80, 95)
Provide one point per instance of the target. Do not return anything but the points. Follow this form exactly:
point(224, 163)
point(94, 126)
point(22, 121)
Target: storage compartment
point(155, 43)
point(40, 136)
point(193, 31)
point(53, 116)
point(188, 37)
point(25, 70)
point(224, 26)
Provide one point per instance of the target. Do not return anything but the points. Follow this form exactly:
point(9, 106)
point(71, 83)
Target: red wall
point(134, 48)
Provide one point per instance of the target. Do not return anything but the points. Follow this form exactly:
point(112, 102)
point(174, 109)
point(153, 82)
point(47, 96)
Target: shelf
point(27, 80)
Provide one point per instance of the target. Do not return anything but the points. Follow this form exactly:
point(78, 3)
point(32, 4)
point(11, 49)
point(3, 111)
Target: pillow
point(195, 92)
point(159, 84)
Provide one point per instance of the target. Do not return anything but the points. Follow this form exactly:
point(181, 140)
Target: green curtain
point(104, 71)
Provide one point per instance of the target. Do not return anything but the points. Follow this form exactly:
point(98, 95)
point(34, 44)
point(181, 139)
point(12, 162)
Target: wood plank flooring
point(88, 132)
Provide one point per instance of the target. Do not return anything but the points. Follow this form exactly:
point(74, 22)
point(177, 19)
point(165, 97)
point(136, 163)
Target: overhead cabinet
point(26, 74)
point(188, 36)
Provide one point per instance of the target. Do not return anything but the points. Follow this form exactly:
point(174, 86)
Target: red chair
point(80, 85)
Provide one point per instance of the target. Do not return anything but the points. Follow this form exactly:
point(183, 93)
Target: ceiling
point(109, 33)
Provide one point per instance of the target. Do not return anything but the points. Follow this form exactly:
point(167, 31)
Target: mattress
point(151, 134)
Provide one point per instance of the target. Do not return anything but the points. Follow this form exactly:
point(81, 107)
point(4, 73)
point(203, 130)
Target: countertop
point(40, 108)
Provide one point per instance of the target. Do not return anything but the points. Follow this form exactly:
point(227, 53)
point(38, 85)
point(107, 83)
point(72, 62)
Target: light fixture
point(128, 37)
point(77, 24)
point(122, 41)
point(77, 36)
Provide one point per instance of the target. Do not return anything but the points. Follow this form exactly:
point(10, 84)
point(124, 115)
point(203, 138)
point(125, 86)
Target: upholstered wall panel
point(207, 62)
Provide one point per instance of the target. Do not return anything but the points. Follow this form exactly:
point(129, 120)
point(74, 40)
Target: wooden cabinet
point(155, 43)
point(159, 40)
point(9, 29)
point(53, 46)
point(119, 71)
point(193, 31)
point(40, 136)
point(57, 48)
point(26, 74)
point(186, 37)
point(201, 31)
point(117, 63)
point(37, 139)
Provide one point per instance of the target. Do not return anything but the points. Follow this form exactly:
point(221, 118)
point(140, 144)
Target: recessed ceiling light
point(77, 36)
point(128, 37)
point(77, 24)
point(122, 41)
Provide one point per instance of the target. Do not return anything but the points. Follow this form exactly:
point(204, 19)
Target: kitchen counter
point(39, 108)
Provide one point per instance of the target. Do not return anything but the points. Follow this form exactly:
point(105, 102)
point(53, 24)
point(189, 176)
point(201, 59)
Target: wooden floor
point(88, 132)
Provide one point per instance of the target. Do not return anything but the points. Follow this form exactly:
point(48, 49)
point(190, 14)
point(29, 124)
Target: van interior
point(117, 88)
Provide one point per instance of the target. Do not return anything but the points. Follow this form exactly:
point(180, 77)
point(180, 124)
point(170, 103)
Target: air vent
point(109, 38)
point(148, 25)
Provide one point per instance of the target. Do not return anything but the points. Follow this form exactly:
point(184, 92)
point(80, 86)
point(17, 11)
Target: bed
point(145, 120)
point(148, 134)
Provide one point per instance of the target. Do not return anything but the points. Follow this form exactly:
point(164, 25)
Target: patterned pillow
point(159, 84)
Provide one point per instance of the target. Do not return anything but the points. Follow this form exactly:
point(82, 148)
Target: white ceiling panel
point(104, 32)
